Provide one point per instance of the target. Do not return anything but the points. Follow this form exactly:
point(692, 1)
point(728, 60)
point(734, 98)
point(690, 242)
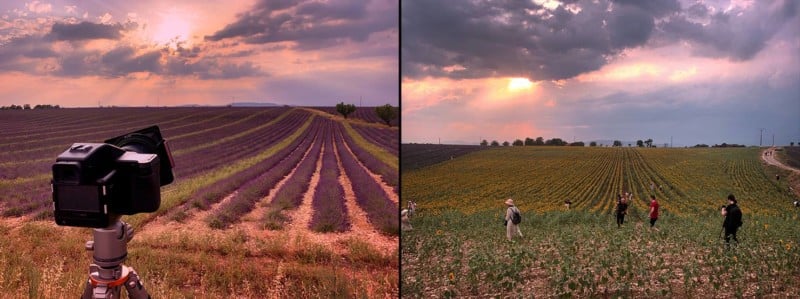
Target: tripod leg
point(87, 292)
point(134, 287)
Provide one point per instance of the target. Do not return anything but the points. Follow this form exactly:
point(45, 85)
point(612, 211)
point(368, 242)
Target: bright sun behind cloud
point(175, 27)
point(516, 84)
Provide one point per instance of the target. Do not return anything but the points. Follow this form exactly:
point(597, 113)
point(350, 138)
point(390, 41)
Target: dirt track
point(772, 161)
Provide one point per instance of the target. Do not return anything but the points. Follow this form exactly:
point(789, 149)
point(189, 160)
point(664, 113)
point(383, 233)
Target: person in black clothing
point(622, 209)
point(733, 220)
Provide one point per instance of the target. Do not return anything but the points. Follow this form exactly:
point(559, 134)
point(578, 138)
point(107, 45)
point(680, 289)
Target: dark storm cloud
point(311, 24)
point(86, 31)
point(211, 68)
point(147, 62)
point(25, 54)
point(519, 38)
point(697, 10)
point(737, 35)
point(630, 27)
point(26, 46)
point(657, 8)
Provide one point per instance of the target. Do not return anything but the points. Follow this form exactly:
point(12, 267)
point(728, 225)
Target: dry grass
point(41, 260)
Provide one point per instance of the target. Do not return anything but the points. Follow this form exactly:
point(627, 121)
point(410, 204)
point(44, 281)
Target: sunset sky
point(137, 53)
point(703, 71)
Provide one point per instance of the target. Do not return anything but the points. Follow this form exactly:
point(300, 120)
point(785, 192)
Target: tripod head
point(107, 274)
point(110, 244)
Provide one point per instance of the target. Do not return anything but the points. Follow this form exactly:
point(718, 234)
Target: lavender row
point(366, 114)
point(259, 117)
point(228, 151)
point(386, 138)
point(81, 120)
point(258, 188)
point(330, 212)
point(381, 211)
point(44, 120)
point(24, 198)
point(387, 173)
point(212, 193)
point(25, 153)
point(245, 146)
point(171, 122)
point(290, 195)
point(37, 192)
point(54, 135)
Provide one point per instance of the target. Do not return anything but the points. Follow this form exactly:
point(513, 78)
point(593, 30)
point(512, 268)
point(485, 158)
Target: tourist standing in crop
point(653, 210)
point(405, 221)
point(733, 220)
point(511, 227)
point(622, 209)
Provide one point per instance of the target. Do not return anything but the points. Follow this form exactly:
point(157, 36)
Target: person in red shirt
point(653, 210)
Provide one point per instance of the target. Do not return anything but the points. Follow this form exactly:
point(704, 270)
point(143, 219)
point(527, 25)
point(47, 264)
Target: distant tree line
point(28, 107)
point(530, 142)
point(616, 143)
point(387, 112)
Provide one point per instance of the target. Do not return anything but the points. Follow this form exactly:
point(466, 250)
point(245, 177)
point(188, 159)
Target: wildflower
point(452, 277)
point(766, 225)
point(438, 232)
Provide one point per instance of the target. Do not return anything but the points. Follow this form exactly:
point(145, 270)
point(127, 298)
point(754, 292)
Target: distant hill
point(254, 104)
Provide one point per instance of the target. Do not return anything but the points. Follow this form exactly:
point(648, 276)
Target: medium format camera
point(94, 183)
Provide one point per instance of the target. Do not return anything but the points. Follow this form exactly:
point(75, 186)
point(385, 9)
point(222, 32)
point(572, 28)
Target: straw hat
point(403, 212)
point(509, 202)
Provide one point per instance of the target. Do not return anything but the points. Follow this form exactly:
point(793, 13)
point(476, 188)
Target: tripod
point(107, 274)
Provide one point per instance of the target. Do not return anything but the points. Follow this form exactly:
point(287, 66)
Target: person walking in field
point(653, 210)
point(512, 220)
point(733, 220)
point(622, 210)
point(405, 222)
point(412, 207)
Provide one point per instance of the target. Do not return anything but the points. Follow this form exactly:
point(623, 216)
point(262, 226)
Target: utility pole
point(773, 139)
point(360, 101)
point(760, 137)
point(670, 141)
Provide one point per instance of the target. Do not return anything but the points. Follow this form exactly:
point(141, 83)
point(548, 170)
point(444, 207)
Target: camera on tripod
point(94, 183)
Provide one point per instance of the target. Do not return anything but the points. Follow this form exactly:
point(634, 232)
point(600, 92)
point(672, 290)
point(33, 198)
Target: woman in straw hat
point(511, 228)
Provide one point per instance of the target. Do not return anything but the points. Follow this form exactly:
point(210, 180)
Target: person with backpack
point(622, 210)
point(512, 220)
point(733, 220)
point(653, 210)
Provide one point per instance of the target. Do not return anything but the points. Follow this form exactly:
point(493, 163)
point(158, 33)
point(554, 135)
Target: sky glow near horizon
point(148, 53)
point(694, 71)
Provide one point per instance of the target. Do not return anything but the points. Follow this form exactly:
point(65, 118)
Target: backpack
point(516, 218)
point(736, 216)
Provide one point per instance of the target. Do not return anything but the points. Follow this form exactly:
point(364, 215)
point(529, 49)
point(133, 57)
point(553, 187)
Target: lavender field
point(323, 185)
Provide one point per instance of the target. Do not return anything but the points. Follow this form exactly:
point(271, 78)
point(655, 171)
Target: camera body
point(94, 183)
